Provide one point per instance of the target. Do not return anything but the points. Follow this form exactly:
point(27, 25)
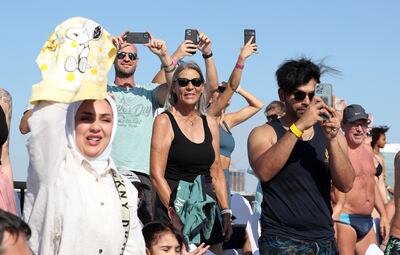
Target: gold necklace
point(189, 121)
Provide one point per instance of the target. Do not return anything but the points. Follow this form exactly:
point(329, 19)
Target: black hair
point(296, 72)
point(376, 132)
point(152, 231)
point(13, 225)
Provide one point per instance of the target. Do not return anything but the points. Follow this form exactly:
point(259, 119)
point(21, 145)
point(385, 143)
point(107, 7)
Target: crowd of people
point(127, 168)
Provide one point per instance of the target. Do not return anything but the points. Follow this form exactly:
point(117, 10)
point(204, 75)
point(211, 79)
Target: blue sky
point(360, 38)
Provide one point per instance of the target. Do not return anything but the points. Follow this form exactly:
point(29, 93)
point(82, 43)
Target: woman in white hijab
point(77, 202)
point(78, 207)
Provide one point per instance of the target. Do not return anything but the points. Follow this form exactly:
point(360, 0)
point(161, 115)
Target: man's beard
point(124, 73)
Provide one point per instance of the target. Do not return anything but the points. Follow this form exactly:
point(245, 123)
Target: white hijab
point(100, 162)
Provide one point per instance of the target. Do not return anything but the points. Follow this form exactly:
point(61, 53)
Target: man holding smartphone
point(296, 157)
point(136, 104)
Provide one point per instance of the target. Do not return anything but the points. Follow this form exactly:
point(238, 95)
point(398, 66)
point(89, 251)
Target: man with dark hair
point(14, 235)
point(355, 232)
point(296, 157)
point(274, 110)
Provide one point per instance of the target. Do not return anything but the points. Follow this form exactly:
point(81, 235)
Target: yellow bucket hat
point(74, 62)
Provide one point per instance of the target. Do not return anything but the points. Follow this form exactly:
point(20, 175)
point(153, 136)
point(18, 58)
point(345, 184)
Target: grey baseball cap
point(354, 112)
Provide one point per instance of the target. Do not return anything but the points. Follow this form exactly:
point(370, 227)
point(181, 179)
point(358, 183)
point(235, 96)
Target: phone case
point(138, 37)
point(193, 35)
point(249, 33)
point(324, 91)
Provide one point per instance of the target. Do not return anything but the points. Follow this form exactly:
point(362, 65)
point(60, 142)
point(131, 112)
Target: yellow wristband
point(297, 132)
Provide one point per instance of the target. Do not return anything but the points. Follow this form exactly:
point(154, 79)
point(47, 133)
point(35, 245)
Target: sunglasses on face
point(300, 95)
point(183, 82)
point(132, 55)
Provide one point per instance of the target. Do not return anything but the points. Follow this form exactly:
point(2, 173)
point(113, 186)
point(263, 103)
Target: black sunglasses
point(183, 82)
point(132, 55)
point(300, 95)
point(221, 89)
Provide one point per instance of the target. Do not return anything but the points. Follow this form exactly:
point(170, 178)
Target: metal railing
point(20, 187)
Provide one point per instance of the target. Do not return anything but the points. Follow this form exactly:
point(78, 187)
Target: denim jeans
point(276, 245)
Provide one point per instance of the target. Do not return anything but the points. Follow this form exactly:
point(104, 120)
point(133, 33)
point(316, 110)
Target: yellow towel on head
point(74, 62)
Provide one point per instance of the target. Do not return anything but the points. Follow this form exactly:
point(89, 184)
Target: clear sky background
point(360, 38)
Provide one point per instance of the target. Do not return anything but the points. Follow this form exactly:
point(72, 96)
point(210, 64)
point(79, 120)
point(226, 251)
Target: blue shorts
point(277, 245)
point(362, 224)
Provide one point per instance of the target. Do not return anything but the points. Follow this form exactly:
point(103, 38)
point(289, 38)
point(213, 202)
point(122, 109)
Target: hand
point(118, 41)
point(186, 48)
point(384, 227)
point(204, 44)
point(202, 249)
point(332, 125)
point(227, 226)
point(248, 49)
point(311, 115)
point(157, 46)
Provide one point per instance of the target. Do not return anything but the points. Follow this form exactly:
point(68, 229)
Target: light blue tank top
point(226, 140)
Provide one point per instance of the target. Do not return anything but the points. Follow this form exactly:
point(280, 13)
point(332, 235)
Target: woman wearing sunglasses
point(185, 144)
point(221, 100)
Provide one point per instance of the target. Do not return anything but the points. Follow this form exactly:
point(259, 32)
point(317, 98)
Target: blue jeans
point(276, 245)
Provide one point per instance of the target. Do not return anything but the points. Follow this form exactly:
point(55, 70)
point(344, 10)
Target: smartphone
point(193, 35)
point(138, 37)
point(249, 33)
point(324, 91)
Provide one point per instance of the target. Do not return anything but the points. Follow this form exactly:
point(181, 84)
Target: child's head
point(162, 239)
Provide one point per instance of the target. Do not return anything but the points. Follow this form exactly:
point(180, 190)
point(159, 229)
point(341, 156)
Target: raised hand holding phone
point(204, 44)
point(192, 35)
point(137, 37)
point(248, 49)
point(324, 91)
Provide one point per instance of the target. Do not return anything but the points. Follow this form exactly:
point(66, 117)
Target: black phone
point(324, 91)
point(138, 37)
point(249, 33)
point(193, 35)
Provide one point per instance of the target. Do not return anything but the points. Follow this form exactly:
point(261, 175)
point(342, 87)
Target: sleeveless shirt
point(186, 159)
point(296, 202)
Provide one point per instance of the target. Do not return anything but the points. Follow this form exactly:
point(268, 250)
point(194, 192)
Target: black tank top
point(3, 127)
point(296, 202)
point(186, 159)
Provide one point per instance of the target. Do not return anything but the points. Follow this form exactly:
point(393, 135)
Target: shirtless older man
point(355, 231)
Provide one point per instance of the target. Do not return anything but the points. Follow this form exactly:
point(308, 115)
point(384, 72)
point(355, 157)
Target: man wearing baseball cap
point(354, 231)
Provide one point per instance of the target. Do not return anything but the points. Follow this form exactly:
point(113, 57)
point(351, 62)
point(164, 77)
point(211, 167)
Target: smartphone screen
point(138, 37)
point(249, 33)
